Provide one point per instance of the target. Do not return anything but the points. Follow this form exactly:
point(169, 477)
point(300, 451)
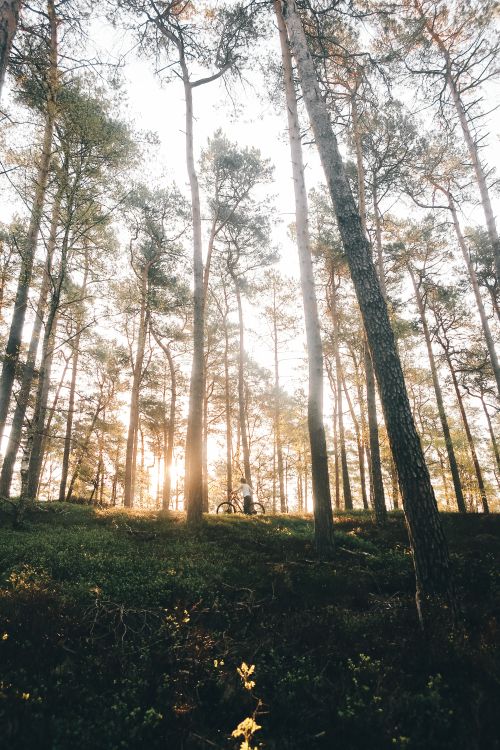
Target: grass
point(125, 630)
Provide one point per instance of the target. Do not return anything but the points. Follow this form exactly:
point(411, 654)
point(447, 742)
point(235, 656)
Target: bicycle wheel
point(226, 507)
point(258, 509)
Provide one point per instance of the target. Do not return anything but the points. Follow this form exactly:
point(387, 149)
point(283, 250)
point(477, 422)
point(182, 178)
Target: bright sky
point(150, 106)
point(159, 107)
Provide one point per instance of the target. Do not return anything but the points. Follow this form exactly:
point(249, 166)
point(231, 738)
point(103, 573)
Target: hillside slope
point(125, 630)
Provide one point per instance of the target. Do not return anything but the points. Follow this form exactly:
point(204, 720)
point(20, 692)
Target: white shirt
point(246, 490)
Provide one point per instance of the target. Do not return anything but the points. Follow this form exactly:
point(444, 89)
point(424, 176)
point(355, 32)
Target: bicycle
point(233, 506)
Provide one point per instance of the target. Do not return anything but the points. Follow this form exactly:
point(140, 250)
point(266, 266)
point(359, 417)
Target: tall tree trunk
point(227, 396)
point(13, 346)
point(377, 483)
point(38, 432)
point(29, 367)
point(114, 485)
point(52, 410)
point(378, 243)
point(9, 16)
point(38, 427)
point(394, 484)
point(72, 392)
point(193, 482)
point(169, 429)
point(444, 480)
point(494, 300)
point(471, 144)
point(427, 539)
point(275, 504)
point(241, 388)
point(83, 450)
point(478, 171)
point(457, 485)
point(494, 443)
point(373, 451)
point(346, 483)
point(131, 451)
point(277, 412)
point(167, 481)
point(141, 473)
point(323, 516)
point(206, 399)
point(477, 293)
point(363, 422)
point(335, 422)
point(359, 443)
point(468, 433)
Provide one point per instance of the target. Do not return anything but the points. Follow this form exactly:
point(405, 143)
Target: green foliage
point(122, 630)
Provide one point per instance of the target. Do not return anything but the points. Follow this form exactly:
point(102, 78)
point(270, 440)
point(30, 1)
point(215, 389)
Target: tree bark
point(277, 412)
point(379, 505)
point(13, 346)
point(323, 516)
point(378, 243)
point(346, 483)
point(477, 293)
point(37, 439)
point(494, 443)
point(9, 16)
point(373, 448)
point(167, 481)
point(38, 428)
point(206, 399)
point(29, 367)
point(359, 443)
point(335, 422)
point(241, 388)
point(131, 450)
point(457, 485)
point(193, 482)
point(72, 393)
point(83, 451)
point(427, 539)
point(468, 433)
point(472, 146)
point(227, 397)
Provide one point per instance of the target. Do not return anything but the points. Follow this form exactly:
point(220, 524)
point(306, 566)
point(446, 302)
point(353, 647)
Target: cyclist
point(246, 493)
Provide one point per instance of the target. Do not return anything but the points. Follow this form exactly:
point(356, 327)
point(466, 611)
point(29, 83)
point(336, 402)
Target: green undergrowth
point(125, 630)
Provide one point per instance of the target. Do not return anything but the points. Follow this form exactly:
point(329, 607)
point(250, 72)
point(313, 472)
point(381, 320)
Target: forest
point(249, 387)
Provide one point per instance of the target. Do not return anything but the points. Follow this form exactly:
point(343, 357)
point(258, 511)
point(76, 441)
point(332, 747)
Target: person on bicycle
point(246, 493)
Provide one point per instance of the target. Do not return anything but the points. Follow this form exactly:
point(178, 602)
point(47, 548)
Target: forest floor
point(126, 629)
